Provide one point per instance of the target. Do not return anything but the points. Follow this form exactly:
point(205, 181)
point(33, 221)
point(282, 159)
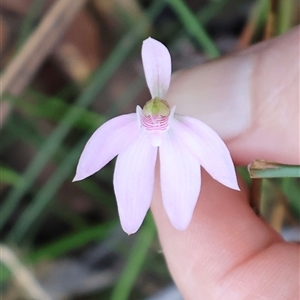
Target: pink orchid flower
point(182, 143)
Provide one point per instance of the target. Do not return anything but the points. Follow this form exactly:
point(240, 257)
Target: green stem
point(135, 261)
point(269, 169)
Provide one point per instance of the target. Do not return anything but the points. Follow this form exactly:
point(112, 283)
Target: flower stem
point(269, 169)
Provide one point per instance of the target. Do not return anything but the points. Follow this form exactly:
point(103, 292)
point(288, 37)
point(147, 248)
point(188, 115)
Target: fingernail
point(217, 93)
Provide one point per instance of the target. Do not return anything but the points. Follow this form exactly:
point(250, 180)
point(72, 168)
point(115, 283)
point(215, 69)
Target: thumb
point(251, 99)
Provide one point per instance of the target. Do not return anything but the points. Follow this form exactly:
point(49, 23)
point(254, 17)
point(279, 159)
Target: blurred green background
point(67, 67)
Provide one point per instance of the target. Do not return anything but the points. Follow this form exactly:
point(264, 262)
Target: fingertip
point(251, 99)
point(223, 231)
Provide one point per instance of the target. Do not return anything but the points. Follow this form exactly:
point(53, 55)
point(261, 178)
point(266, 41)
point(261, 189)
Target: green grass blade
point(291, 188)
point(44, 196)
point(121, 51)
point(209, 11)
point(135, 261)
point(285, 15)
point(71, 242)
point(8, 176)
point(25, 130)
point(194, 28)
point(53, 108)
point(28, 23)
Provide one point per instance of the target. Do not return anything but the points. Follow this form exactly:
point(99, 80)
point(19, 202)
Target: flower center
point(156, 115)
point(155, 119)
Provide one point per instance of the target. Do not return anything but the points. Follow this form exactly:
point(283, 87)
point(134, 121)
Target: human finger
point(250, 98)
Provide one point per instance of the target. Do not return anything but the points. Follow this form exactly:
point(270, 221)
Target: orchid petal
point(134, 181)
point(207, 147)
point(157, 67)
point(180, 181)
point(108, 140)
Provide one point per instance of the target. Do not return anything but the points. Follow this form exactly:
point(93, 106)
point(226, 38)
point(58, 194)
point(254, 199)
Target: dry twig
point(20, 71)
point(23, 277)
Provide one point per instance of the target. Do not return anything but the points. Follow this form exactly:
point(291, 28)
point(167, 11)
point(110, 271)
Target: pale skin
point(227, 252)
